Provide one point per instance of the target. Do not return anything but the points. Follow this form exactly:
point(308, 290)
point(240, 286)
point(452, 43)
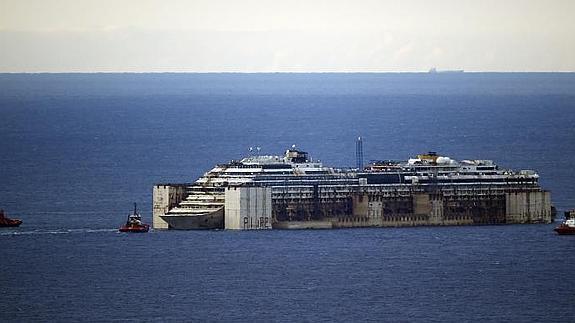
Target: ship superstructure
point(203, 207)
point(427, 190)
point(432, 169)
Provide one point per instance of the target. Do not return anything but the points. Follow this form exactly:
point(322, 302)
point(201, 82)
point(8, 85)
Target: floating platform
point(295, 192)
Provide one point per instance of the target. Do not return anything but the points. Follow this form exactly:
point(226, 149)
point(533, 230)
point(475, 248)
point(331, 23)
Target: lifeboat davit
point(134, 223)
point(7, 222)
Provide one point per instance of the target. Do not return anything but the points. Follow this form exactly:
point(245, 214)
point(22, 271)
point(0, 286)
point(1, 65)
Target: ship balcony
point(196, 203)
point(205, 198)
point(193, 212)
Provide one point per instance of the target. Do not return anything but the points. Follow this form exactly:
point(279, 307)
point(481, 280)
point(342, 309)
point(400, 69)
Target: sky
point(286, 36)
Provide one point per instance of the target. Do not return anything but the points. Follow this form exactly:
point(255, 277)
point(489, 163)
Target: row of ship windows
point(290, 172)
point(448, 169)
point(475, 180)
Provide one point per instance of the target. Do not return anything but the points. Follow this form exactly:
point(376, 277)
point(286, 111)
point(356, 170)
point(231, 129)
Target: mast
point(359, 154)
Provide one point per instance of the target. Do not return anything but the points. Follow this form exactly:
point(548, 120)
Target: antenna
point(359, 153)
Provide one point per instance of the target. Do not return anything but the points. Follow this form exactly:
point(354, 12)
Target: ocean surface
point(76, 150)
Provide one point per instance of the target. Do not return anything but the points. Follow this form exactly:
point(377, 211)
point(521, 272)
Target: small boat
point(134, 223)
point(7, 222)
point(568, 226)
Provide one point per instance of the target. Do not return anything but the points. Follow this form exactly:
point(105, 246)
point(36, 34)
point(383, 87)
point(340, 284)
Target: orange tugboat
point(134, 223)
point(6, 222)
point(568, 226)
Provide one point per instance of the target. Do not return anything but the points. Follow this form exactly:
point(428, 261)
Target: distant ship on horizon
point(433, 70)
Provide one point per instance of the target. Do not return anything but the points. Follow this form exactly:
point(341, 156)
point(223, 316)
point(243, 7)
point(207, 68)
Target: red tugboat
point(134, 223)
point(568, 226)
point(6, 222)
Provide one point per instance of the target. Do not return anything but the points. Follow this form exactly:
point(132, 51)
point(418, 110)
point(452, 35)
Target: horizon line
point(441, 72)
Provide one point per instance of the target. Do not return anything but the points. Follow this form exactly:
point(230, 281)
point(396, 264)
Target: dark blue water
point(76, 150)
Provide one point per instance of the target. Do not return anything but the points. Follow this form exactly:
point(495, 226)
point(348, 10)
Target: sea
point(77, 150)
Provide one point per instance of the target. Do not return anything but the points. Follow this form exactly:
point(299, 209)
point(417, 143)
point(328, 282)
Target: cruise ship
point(429, 189)
point(203, 208)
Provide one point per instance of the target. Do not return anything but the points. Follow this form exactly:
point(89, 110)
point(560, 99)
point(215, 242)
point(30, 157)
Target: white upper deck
point(434, 164)
point(262, 167)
